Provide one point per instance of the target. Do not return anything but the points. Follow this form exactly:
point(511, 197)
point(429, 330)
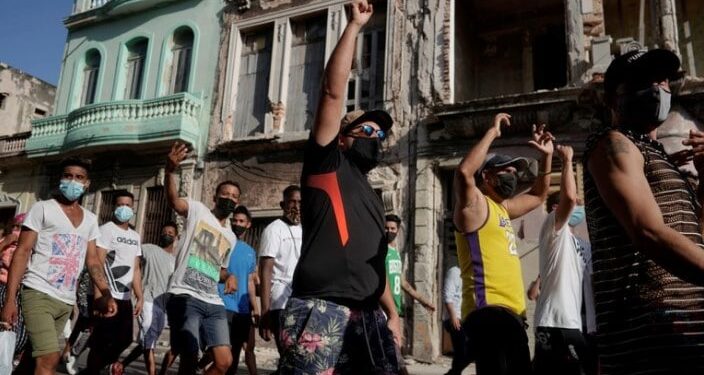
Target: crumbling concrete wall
point(24, 98)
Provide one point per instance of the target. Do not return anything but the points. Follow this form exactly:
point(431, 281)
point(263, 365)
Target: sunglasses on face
point(369, 130)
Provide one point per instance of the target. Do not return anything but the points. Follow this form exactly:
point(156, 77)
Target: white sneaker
point(71, 365)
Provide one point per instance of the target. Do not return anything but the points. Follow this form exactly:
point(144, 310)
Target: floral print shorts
point(322, 337)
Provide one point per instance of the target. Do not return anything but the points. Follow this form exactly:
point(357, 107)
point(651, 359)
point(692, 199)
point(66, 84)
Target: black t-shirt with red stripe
point(344, 244)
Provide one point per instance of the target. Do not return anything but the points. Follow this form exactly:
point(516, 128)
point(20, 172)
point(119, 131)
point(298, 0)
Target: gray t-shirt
point(157, 269)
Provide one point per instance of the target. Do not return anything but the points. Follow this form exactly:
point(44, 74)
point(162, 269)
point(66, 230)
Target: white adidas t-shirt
point(59, 254)
point(206, 247)
point(123, 247)
point(283, 243)
point(564, 273)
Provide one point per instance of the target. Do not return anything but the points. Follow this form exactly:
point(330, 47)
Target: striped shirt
point(648, 320)
point(491, 268)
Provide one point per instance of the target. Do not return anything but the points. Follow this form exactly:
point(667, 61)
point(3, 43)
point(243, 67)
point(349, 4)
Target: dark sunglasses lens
point(381, 134)
point(368, 130)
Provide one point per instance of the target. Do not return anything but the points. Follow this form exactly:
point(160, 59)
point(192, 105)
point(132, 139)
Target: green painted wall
point(111, 36)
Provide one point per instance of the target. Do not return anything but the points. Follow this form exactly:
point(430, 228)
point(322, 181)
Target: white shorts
point(152, 321)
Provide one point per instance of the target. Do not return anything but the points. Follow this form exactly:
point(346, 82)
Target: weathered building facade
point(136, 76)
point(442, 68)
point(23, 98)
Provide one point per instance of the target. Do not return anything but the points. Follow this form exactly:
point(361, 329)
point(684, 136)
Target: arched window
point(90, 77)
point(181, 64)
point(136, 56)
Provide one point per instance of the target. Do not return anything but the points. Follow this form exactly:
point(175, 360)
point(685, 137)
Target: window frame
point(278, 82)
point(180, 80)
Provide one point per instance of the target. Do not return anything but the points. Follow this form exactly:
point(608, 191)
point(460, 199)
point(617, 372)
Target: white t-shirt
point(564, 272)
point(60, 251)
point(206, 247)
point(123, 247)
point(283, 243)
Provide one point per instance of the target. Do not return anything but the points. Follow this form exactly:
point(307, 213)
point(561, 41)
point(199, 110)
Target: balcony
point(91, 11)
point(113, 125)
point(13, 145)
point(80, 6)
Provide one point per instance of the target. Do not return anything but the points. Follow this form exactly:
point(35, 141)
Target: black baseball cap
point(641, 67)
point(494, 161)
point(354, 118)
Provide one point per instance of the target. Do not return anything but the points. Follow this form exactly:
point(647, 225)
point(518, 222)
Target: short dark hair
point(394, 218)
point(228, 182)
point(553, 198)
point(121, 193)
point(244, 211)
point(171, 224)
point(74, 161)
point(290, 190)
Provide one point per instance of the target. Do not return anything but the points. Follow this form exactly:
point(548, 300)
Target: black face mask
point(365, 153)
point(390, 237)
point(165, 240)
point(505, 184)
point(239, 230)
point(225, 206)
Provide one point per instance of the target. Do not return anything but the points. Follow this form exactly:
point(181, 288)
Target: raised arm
point(617, 168)
point(178, 153)
point(696, 154)
point(470, 211)
point(518, 206)
point(337, 73)
point(568, 188)
point(17, 269)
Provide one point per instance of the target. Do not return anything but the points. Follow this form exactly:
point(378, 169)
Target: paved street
point(267, 358)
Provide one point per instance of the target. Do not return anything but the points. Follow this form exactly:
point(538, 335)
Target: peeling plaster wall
point(25, 93)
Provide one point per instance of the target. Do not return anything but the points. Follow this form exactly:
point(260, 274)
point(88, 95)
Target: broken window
point(253, 82)
point(306, 71)
point(137, 54)
point(508, 47)
point(181, 51)
point(690, 14)
point(3, 97)
point(90, 77)
point(39, 113)
point(365, 90)
point(630, 23)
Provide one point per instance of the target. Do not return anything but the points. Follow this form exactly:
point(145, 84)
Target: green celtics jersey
point(393, 274)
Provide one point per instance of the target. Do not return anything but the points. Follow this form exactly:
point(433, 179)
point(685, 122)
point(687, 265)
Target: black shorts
point(116, 331)
point(240, 324)
point(561, 351)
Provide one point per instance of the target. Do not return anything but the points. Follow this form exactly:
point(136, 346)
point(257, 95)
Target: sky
point(32, 36)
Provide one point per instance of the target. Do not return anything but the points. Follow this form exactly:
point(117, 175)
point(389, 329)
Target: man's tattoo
point(98, 276)
point(615, 146)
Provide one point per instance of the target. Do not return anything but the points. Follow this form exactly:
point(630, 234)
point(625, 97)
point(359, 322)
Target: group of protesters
point(627, 300)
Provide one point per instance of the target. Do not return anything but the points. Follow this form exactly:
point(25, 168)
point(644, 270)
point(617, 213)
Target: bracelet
point(544, 173)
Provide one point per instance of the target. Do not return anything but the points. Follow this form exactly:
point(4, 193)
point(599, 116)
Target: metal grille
point(254, 234)
point(106, 206)
point(156, 214)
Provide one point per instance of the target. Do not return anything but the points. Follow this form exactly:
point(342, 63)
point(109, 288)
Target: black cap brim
point(380, 117)
point(652, 66)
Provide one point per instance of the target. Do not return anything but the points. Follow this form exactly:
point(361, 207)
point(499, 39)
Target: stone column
point(278, 81)
point(574, 32)
point(668, 37)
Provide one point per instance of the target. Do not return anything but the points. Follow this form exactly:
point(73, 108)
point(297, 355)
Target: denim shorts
point(196, 324)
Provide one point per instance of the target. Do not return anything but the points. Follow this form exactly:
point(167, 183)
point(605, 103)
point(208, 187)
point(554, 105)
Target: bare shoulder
point(613, 148)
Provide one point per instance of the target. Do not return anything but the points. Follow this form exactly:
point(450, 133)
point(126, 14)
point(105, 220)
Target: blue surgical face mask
point(123, 214)
point(577, 216)
point(71, 190)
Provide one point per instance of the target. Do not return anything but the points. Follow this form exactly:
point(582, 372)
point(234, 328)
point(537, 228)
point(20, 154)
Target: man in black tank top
point(333, 321)
point(645, 226)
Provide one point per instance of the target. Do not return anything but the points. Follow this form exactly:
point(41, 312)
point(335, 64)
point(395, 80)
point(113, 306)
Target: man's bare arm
point(520, 205)
point(470, 210)
point(337, 73)
point(617, 168)
point(568, 188)
point(177, 154)
point(95, 261)
point(408, 288)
